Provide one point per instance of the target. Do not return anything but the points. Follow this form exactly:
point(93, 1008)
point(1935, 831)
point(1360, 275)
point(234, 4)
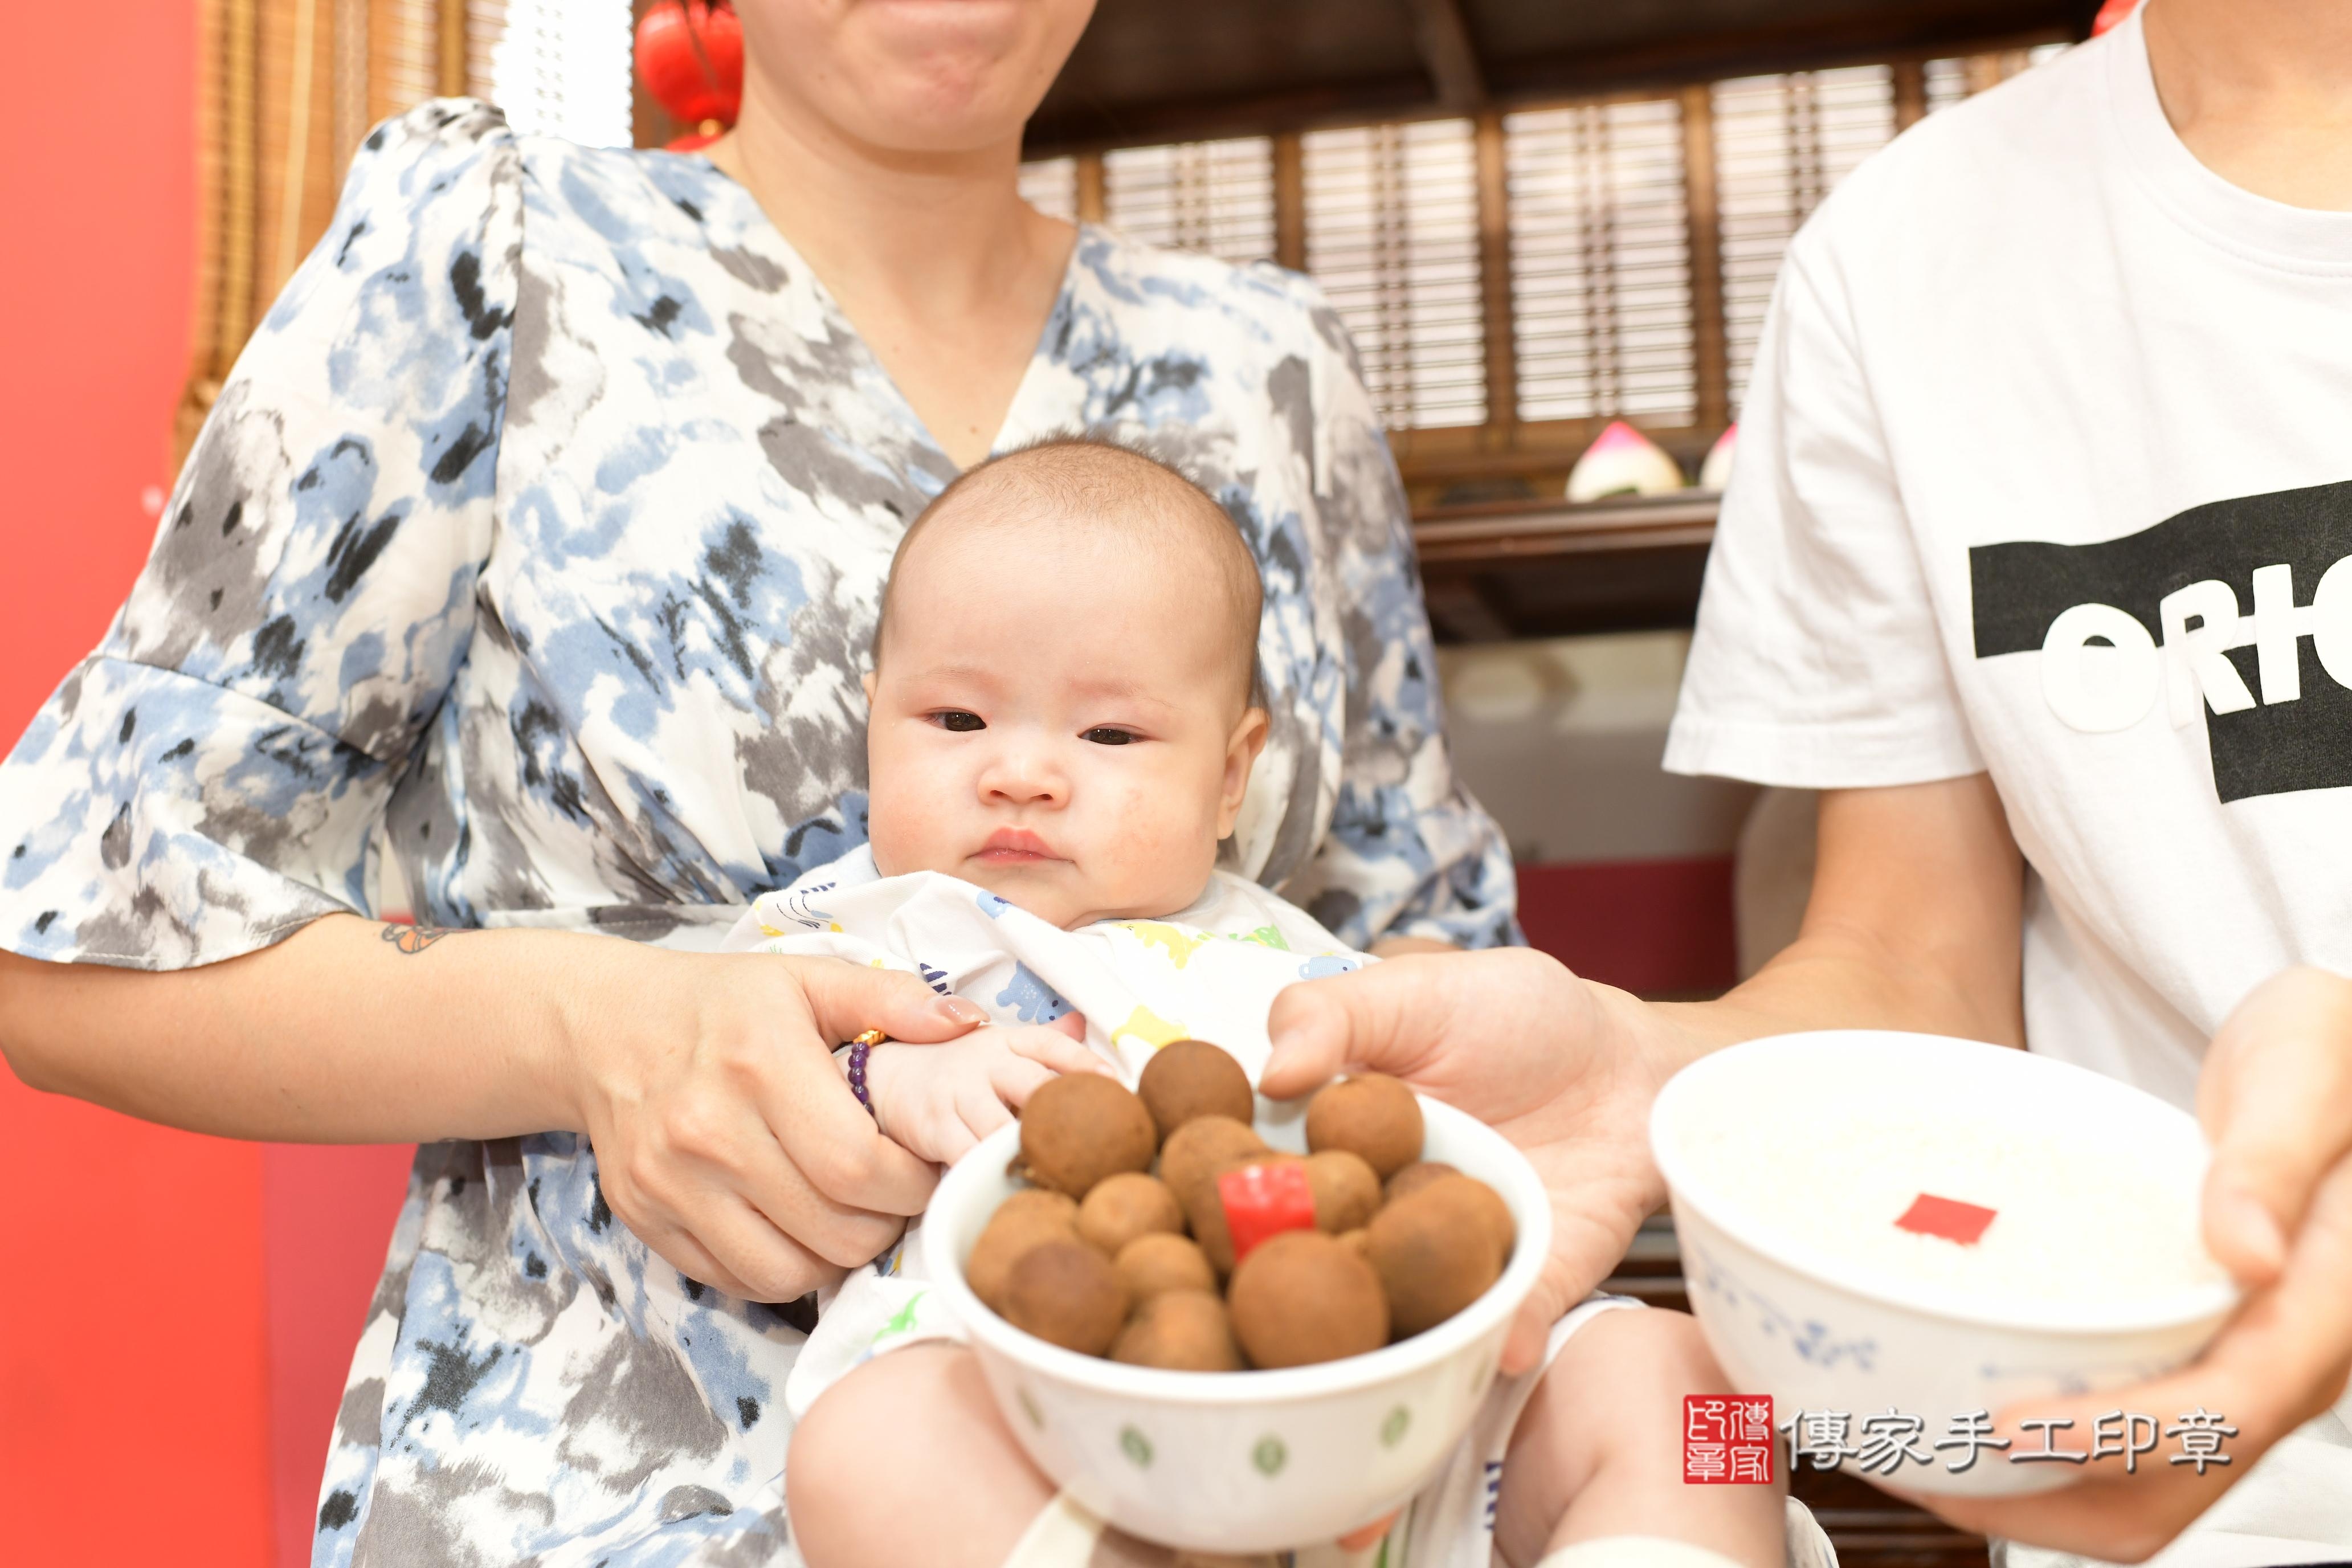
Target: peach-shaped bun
point(1715, 473)
point(1623, 462)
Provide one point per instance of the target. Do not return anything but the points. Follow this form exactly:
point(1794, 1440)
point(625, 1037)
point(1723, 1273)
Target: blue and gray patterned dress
point(536, 542)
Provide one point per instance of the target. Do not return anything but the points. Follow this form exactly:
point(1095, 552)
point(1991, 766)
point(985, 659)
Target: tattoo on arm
point(415, 939)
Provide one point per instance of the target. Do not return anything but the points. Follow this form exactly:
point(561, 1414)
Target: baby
point(1062, 729)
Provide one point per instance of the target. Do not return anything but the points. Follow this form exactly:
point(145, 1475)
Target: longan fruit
point(1190, 1079)
point(1150, 1264)
point(1346, 1193)
point(1371, 1114)
point(1479, 1204)
point(1011, 1232)
point(1414, 1177)
point(1185, 1331)
point(1200, 1147)
point(1124, 1207)
point(1039, 1201)
point(1432, 1256)
point(1081, 1127)
point(1305, 1297)
point(1067, 1294)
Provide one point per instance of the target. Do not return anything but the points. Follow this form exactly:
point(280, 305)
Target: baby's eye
point(1109, 735)
point(959, 720)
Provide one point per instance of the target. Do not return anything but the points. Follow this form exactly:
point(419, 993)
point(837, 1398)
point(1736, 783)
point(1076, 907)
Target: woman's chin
point(938, 114)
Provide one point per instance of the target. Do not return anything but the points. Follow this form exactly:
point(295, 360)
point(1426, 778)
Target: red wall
point(1657, 928)
point(175, 1311)
point(131, 1358)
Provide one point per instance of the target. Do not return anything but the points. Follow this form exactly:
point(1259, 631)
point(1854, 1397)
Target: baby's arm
point(936, 1101)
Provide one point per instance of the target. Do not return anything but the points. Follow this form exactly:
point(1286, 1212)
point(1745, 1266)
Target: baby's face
point(1052, 721)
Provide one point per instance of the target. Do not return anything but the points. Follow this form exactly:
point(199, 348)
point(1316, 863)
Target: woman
point(543, 525)
point(2058, 376)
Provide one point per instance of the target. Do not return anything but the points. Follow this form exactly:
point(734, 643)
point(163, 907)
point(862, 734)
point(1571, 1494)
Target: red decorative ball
point(690, 57)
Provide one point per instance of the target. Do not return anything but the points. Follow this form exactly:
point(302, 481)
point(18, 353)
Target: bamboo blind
point(1601, 269)
point(1213, 196)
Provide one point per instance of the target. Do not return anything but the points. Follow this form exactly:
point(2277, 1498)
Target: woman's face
point(910, 76)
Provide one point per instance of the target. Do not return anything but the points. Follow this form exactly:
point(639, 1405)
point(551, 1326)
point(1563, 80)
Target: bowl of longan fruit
point(1229, 1324)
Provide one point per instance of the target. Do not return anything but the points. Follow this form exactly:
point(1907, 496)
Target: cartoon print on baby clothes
point(937, 979)
point(1181, 943)
point(992, 906)
point(1031, 997)
point(800, 908)
point(1150, 1027)
point(1265, 936)
point(900, 1320)
point(1327, 963)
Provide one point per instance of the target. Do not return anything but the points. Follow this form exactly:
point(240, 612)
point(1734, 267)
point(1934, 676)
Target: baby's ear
point(1242, 748)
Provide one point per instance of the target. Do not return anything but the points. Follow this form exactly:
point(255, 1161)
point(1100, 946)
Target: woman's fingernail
point(959, 1011)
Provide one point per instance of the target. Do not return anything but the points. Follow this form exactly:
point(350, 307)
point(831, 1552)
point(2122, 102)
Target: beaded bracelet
point(859, 1049)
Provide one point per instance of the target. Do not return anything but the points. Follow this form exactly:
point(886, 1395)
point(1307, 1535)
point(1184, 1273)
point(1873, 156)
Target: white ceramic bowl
point(1245, 1461)
point(1821, 1334)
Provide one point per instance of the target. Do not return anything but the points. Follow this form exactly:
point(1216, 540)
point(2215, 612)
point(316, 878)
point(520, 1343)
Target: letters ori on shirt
point(2242, 609)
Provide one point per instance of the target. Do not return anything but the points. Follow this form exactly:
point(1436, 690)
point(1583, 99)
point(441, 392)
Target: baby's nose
point(1023, 777)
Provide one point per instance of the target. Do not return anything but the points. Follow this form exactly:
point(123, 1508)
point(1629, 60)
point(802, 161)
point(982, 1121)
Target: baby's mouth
point(1016, 847)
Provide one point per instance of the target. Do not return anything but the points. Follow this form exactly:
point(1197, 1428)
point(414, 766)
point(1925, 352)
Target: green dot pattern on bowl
point(1392, 1429)
point(1029, 1408)
point(1270, 1455)
point(1135, 1446)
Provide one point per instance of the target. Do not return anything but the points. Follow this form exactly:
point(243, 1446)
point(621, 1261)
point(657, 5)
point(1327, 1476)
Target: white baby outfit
point(1209, 972)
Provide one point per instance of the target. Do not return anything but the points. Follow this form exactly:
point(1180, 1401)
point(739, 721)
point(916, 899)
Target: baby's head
point(1063, 685)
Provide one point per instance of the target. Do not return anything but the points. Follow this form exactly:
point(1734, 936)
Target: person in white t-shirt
point(2037, 561)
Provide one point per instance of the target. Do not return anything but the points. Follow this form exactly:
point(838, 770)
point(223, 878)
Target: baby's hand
point(936, 1101)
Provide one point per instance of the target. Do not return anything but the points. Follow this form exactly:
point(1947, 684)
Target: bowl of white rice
point(1880, 1227)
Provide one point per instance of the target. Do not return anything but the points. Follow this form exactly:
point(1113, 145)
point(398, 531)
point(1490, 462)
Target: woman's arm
point(724, 1134)
point(348, 1031)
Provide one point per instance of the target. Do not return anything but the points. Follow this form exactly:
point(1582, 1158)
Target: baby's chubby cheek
point(1154, 852)
point(906, 824)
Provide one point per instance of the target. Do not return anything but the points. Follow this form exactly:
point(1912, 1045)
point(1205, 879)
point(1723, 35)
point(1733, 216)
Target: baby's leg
point(1599, 1450)
point(907, 1460)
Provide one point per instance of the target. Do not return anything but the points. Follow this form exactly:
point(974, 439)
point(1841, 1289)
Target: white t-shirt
point(2033, 377)
point(2043, 472)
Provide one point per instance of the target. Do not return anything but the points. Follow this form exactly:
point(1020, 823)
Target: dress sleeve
point(1409, 852)
point(208, 780)
point(1817, 663)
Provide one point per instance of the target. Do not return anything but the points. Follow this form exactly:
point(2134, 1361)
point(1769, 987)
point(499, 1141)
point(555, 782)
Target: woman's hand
point(725, 1136)
point(936, 1101)
point(1563, 1068)
point(2275, 1097)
